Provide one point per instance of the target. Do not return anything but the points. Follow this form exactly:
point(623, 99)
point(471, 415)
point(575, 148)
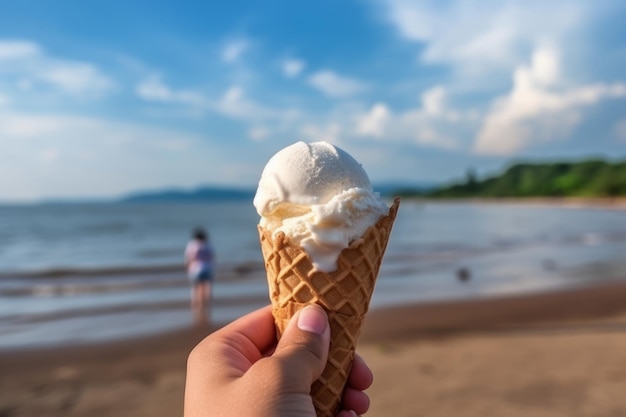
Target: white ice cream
point(320, 197)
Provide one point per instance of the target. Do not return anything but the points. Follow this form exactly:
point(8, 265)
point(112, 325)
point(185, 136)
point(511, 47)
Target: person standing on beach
point(199, 258)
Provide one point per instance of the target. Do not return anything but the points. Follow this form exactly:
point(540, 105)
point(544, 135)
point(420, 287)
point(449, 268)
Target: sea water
point(76, 273)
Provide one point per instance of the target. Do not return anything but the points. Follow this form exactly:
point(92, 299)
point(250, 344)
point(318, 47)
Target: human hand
point(240, 370)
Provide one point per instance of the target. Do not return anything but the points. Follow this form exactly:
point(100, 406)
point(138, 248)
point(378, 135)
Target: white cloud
point(234, 49)
point(422, 128)
point(486, 36)
point(153, 89)
point(435, 106)
point(545, 67)
point(18, 49)
point(433, 124)
point(235, 104)
point(16, 125)
point(258, 133)
point(75, 77)
point(433, 100)
point(293, 67)
point(26, 65)
point(44, 155)
point(374, 123)
point(540, 107)
point(334, 85)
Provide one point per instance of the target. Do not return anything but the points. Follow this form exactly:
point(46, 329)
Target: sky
point(103, 98)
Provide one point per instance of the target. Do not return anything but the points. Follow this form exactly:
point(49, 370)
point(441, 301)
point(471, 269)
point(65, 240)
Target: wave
point(66, 281)
point(398, 253)
point(67, 289)
point(61, 272)
point(64, 314)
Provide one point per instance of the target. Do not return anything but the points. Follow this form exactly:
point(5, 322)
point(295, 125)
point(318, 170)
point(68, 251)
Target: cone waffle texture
point(345, 294)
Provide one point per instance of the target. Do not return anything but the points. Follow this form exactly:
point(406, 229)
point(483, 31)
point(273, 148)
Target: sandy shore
point(557, 354)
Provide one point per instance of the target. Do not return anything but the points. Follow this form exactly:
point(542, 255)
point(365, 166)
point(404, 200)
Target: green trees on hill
point(593, 178)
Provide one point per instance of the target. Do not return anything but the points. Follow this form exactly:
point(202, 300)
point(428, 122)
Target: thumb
point(303, 348)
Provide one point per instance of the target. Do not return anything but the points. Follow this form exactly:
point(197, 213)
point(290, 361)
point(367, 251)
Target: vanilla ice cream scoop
point(320, 197)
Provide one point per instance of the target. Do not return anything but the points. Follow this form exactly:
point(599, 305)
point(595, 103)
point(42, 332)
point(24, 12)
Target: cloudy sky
point(101, 98)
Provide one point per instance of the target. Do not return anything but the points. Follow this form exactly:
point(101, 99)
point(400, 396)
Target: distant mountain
point(209, 193)
point(199, 194)
point(591, 178)
point(394, 188)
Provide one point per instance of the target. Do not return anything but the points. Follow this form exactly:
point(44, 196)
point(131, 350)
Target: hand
point(240, 370)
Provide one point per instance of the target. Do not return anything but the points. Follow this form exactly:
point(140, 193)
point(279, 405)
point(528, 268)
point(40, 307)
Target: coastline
point(460, 349)
point(406, 346)
point(606, 203)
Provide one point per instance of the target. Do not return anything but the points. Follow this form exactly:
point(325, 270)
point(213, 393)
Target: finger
point(355, 400)
point(361, 377)
point(236, 345)
point(225, 355)
point(347, 413)
point(302, 351)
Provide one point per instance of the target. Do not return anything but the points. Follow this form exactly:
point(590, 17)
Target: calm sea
point(75, 273)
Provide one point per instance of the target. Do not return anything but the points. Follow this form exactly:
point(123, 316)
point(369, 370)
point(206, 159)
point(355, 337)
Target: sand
point(556, 354)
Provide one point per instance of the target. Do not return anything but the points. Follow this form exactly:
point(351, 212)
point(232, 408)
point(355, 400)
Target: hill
point(591, 178)
point(202, 194)
point(208, 193)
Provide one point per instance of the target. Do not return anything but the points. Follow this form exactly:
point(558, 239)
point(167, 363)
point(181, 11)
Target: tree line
point(591, 178)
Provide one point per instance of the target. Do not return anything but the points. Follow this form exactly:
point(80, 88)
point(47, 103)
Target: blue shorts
point(202, 275)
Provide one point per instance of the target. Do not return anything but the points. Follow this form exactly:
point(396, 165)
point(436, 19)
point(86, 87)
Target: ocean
point(83, 273)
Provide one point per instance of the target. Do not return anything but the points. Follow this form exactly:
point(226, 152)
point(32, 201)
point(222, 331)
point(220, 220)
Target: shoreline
point(496, 313)
point(417, 319)
point(86, 314)
point(235, 270)
point(145, 376)
point(606, 203)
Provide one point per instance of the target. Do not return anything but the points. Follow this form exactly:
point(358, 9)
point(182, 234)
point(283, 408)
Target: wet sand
point(555, 354)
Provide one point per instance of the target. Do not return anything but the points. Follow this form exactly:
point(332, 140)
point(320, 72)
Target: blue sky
point(102, 98)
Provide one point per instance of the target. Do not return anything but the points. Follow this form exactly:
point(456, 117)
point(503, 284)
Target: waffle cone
point(345, 295)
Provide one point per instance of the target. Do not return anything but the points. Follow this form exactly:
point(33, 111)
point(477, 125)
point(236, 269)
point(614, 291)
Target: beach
point(480, 309)
point(115, 271)
point(558, 353)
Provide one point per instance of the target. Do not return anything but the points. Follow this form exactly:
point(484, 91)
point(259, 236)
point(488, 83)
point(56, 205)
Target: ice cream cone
point(345, 294)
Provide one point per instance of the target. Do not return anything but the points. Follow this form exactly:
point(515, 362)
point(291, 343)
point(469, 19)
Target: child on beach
point(199, 259)
point(240, 370)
